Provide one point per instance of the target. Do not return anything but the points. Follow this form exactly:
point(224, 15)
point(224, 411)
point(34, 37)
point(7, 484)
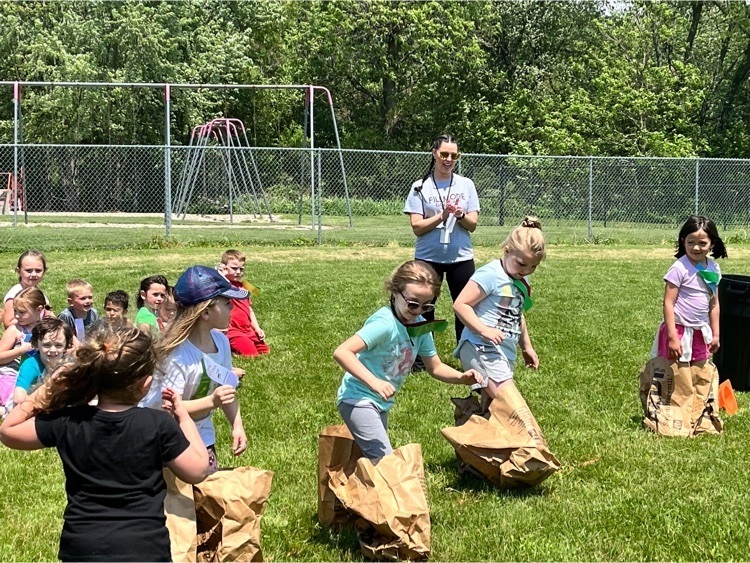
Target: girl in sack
point(690, 330)
point(198, 360)
point(492, 307)
point(378, 358)
point(112, 453)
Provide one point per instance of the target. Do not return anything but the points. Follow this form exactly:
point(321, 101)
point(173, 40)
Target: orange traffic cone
point(727, 400)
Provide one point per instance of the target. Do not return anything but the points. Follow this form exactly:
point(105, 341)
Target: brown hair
point(30, 298)
point(232, 254)
point(34, 254)
point(527, 236)
point(51, 325)
point(114, 359)
point(413, 271)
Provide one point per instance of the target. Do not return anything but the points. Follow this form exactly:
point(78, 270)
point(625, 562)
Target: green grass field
point(622, 494)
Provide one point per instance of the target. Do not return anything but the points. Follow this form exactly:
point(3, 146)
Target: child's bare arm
point(18, 431)
point(191, 465)
point(670, 298)
point(239, 438)
point(713, 320)
point(346, 356)
point(445, 373)
point(8, 349)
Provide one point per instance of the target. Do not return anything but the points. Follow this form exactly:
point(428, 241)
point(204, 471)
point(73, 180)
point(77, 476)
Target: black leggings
point(457, 275)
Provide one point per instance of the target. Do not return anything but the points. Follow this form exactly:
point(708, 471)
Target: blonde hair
point(527, 236)
point(29, 299)
point(114, 359)
point(181, 326)
point(232, 254)
point(413, 271)
point(76, 285)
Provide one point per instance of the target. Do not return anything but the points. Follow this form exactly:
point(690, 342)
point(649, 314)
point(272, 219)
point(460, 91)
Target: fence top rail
point(159, 85)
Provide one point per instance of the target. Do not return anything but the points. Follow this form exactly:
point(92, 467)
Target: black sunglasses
point(416, 305)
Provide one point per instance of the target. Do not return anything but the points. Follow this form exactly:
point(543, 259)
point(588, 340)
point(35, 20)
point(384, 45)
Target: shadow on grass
point(465, 481)
point(340, 538)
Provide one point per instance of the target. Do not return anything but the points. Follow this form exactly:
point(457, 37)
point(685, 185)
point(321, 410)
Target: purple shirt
point(691, 307)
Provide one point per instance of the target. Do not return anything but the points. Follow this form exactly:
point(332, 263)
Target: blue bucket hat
point(201, 283)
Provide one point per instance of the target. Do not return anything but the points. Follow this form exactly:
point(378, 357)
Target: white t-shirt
point(183, 371)
point(428, 202)
point(15, 290)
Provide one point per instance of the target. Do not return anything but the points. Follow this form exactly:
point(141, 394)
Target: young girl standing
point(30, 268)
point(29, 307)
point(198, 361)
point(492, 305)
point(112, 453)
point(690, 331)
point(151, 295)
point(380, 355)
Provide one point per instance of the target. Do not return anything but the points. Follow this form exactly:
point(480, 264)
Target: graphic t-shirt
point(428, 202)
point(501, 308)
point(389, 356)
point(184, 371)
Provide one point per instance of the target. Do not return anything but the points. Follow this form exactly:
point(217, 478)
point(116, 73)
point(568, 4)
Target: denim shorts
point(487, 360)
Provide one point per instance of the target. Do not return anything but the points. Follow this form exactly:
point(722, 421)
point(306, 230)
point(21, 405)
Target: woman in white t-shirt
point(443, 209)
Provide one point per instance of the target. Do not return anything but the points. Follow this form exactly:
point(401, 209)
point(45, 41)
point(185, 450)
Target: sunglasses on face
point(444, 155)
point(416, 305)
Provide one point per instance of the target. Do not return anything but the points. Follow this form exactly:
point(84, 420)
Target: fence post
point(14, 185)
point(312, 160)
point(320, 202)
point(591, 196)
point(167, 165)
point(697, 181)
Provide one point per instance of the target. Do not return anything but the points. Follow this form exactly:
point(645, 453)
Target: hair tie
point(104, 347)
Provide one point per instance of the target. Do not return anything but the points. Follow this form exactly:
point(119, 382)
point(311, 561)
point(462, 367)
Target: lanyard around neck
point(437, 190)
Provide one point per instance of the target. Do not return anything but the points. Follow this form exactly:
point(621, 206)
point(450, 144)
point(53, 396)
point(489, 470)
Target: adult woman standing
point(443, 209)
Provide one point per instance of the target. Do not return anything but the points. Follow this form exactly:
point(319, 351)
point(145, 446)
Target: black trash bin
point(733, 357)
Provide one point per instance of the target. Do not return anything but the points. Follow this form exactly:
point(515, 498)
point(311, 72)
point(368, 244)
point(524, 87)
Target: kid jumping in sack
point(198, 361)
point(112, 453)
point(491, 307)
point(246, 338)
point(690, 331)
point(379, 357)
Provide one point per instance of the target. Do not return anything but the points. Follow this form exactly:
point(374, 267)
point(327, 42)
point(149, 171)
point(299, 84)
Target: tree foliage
point(525, 77)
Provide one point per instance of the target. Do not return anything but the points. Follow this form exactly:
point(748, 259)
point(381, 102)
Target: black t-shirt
point(113, 480)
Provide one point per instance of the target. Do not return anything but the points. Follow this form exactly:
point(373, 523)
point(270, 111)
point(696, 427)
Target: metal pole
point(591, 194)
point(341, 156)
point(697, 181)
point(167, 166)
point(14, 187)
point(312, 159)
point(320, 202)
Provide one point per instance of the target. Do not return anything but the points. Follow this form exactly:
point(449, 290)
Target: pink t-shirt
point(694, 295)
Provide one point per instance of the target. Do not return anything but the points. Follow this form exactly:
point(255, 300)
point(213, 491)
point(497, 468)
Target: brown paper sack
point(680, 399)
point(179, 509)
point(503, 444)
point(390, 497)
point(228, 508)
point(336, 450)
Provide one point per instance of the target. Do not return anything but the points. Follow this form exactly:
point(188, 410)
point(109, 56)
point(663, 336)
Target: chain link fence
point(577, 198)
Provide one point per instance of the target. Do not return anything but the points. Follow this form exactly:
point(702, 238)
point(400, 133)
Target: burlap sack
point(228, 508)
point(389, 496)
point(336, 450)
point(179, 509)
point(502, 443)
point(680, 399)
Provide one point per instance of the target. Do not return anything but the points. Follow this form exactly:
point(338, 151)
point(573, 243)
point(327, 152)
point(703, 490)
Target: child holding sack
point(380, 355)
point(198, 361)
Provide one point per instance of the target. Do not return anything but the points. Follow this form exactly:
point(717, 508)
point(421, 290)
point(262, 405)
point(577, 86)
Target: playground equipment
point(230, 136)
point(11, 196)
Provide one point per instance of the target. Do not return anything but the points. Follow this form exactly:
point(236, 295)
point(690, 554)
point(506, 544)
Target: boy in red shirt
point(246, 338)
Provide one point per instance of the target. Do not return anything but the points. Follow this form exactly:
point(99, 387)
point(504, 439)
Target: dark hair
point(49, 325)
point(114, 359)
point(696, 223)
point(118, 297)
point(146, 284)
point(444, 138)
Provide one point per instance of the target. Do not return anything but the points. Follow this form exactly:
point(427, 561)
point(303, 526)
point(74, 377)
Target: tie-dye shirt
point(501, 308)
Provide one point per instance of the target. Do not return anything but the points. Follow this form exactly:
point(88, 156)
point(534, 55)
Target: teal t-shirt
point(389, 356)
point(30, 372)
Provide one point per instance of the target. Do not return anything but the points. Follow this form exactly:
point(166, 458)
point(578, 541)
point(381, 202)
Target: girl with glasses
point(443, 209)
point(492, 306)
point(380, 355)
